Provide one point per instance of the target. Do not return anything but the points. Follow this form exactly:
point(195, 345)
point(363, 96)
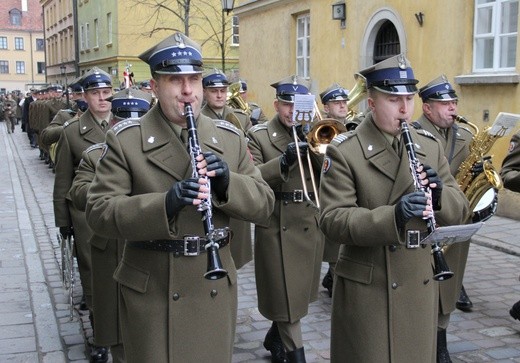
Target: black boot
point(515, 311)
point(273, 343)
point(327, 282)
point(99, 355)
point(296, 356)
point(464, 303)
point(443, 356)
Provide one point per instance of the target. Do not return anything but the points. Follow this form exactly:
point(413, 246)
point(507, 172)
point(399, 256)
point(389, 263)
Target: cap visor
point(408, 89)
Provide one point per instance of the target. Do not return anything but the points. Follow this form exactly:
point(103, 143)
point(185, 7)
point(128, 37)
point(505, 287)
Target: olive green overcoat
point(456, 149)
point(510, 172)
point(170, 312)
point(105, 255)
point(289, 250)
point(385, 300)
point(242, 252)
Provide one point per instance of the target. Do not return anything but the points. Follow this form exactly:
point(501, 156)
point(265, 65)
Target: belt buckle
point(413, 239)
point(298, 196)
point(191, 245)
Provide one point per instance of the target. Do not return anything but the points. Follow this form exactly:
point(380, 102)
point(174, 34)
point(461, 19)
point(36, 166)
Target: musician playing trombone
point(146, 192)
point(384, 302)
point(288, 251)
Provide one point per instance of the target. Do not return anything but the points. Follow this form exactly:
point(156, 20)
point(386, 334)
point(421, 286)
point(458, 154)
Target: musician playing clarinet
point(385, 297)
point(145, 192)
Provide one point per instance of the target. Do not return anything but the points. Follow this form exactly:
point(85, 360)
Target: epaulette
point(416, 125)
point(338, 139)
point(70, 122)
point(227, 126)
point(99, 145)
point(258, 127)
point(426, 133)
point(125, 124)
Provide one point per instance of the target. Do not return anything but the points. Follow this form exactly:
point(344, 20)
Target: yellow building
point(473, 42)
point(111, 34)
point(22, 53)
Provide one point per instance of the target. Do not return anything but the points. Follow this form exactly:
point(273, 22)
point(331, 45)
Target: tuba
point(356, 95)
point(235, 100)
point(481, 189)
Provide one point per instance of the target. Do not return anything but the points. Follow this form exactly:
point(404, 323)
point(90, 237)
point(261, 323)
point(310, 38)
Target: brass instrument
point(318, 137)
point(441, 269)
point(356, 95)
point(474, 186)
point(214, 269)
point(236, 101)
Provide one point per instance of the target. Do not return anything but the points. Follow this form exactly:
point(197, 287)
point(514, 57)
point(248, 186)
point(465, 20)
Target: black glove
point(410, 205)
point(289, 156)
point(181, 194)
point(66, 231)
point(220, 182)
point(478, 167)
point(432, 177)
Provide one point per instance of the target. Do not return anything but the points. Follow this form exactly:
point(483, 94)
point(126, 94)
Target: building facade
point(22, 49)
point(473, 42)
point(60, 44)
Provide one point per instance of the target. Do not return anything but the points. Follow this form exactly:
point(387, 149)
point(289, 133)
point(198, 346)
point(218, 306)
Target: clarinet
point(214, 270)
point(441, 269)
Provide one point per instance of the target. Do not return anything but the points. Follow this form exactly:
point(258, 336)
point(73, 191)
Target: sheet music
point(303, 111)
point(504, 123)
point(452, 234)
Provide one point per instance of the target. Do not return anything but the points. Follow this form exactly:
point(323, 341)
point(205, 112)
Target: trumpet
point(441, 269)
point(214, 270)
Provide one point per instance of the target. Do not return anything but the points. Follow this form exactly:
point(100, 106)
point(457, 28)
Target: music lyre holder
point(452, 234)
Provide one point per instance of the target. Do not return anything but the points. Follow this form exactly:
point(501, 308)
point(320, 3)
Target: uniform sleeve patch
point(512, 146)
point(326, 165)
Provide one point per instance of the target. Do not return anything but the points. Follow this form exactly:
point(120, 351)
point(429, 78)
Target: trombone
point(318, 137)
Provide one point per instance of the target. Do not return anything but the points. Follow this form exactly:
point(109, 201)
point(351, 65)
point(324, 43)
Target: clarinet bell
point(441, 270)
point(215, 270)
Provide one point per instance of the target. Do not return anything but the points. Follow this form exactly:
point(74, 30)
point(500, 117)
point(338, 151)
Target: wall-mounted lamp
point(420, 17)
point(339, 12)
point(228, 5)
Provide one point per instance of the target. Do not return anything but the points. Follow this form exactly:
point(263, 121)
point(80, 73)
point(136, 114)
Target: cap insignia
point(401, 61)
point(179, 40)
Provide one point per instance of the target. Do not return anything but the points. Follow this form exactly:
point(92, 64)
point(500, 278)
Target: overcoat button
point(214, 293)
point(394, 285)
point(284, 228)
point(393, 248)
point(176, 297)
point(426, 281)
point(285, 202)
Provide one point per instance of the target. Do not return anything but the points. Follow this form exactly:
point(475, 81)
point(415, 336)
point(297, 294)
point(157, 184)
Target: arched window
point(387, 42)
point(15, 16)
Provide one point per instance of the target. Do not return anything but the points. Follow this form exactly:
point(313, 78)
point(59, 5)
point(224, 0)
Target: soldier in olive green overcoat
point(385, 299)
point(215, 85)
point(289, 250)
point(145, 192)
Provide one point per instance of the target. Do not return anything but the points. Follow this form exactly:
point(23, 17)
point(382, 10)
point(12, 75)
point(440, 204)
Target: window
point(15, 16)
point(495, 35)
point(20, 67)
point(87, 33)
point(235, 38)
point(387, 42)
point(81, 38)
point(96, 33)
point(18, 43)
point(3, 42)
point(40, 67)
point(303, 45)
point(40, 44)
point(109, 28)
point(4, 66)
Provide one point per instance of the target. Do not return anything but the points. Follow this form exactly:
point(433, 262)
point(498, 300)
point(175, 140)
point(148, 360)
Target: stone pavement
point(34, 322)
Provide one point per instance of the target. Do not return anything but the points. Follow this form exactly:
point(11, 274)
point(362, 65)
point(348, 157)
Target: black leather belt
point(189, 246)
point(296, 196)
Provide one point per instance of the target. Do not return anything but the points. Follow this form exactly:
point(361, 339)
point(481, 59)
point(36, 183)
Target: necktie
point(184, 136)
point(219, 116)
point(104, 125)
point(395, 145)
